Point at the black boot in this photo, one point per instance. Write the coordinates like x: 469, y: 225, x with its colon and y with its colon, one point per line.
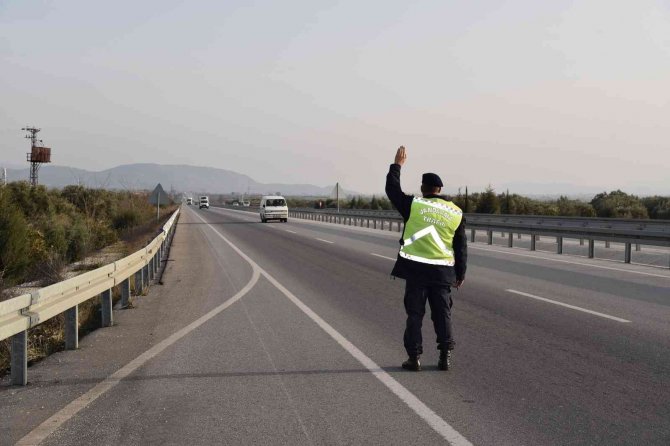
x: 445, y: 360
x: 412, y: 364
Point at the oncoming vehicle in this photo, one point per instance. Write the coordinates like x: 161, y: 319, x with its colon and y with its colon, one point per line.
x: 189, y: 201
x: 273, y: 207
x: 204, y: 202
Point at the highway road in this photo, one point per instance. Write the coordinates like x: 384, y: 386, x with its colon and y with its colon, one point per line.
x: 291, y: 333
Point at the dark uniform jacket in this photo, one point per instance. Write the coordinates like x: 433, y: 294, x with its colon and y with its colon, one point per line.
x: 422, y: 272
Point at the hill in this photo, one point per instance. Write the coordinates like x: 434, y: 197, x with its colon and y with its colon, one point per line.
x: 180, y: 177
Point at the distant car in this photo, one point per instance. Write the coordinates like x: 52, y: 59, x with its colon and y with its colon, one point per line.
x: 189, y: 201
x: 246, y: 203
x: 273, y: 207
x: 236, y: 204
x: 204, y: 202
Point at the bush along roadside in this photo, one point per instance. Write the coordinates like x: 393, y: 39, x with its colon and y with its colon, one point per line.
x: 42, y: 232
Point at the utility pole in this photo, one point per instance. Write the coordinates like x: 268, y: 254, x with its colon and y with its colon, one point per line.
x: 508, y: 208
x: 466, y: 199
x: 4, y: 176
x: 337, y: 195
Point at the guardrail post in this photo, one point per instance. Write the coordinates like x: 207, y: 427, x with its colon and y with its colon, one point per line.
x: 627, y: 255
x: 391, y: 225
x: 581, y: 242
x: 107, y: 317
x: 637, y: 247
x: 71, y: 328
x: 19, y: 361
x: 138, y: 282
x: 400, y: 226
x: 489, y: 237
x: 559, y: 245
x: 510, y: 240
x: 145, y: 276
x: 374, y: 223
x: 472, y: 235
x: 518, y: 236
x: 125, y: 293
x: 533, y: 238
x: 157, y: 264
x: 592, y: 248
x: 607, y: 244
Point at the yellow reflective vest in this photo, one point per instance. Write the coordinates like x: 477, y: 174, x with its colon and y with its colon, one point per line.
x: 429, y: 233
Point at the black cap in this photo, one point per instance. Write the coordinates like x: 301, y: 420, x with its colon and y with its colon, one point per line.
x: 431, y: 179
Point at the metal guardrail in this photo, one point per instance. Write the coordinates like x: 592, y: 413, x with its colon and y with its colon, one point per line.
x: 19, y: 314
x: 627, y: 231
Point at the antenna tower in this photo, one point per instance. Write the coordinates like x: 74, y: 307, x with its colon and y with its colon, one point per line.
x: 38, y: 154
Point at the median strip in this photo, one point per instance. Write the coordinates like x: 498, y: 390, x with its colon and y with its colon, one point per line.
x: 573, y: 307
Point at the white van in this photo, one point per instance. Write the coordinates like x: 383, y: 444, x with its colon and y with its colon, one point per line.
x: 204, y: 202
x: 273, y: 207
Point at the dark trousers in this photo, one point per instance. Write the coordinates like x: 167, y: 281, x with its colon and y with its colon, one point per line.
x: 439, y: 299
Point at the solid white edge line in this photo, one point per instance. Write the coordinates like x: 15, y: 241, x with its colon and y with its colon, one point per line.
x: 440, y: 426
x: 520, y: 254
x: 383, y: 257
x: 41, y: 432
x: 325, y: 241
x: 573, y: 307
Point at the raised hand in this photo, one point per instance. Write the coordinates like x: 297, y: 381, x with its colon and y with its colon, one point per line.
x: 400, y: 156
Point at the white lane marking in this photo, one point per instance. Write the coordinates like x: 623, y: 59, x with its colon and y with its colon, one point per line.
x: 419, y: 407
x: 42, y: 431
x: 288, y: 230
x: 473, y: 246
x: 544, y: 299
x: 510, y: 252
x: 383, y: 257
x: 325, y: 241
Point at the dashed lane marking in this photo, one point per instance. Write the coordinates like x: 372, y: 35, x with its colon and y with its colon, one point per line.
x: 325, y: 241
x: 519, y: 254
x: 573, y: 307
x: 383, y: 257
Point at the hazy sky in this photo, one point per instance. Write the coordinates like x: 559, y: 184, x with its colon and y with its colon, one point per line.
x: 500, y: 92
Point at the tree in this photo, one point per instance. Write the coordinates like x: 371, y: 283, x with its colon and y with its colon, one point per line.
x: 488, y: 202
x: 574, y: 208
x: 657, y: 207
x: 618, y: 204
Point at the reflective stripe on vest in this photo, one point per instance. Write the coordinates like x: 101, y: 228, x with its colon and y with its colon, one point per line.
x: 432, y: 224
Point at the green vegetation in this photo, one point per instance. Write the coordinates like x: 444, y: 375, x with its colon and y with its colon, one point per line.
x: 42, y: 230
x: 615, y: 204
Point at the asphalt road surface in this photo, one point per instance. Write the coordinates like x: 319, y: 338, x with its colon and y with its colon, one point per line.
x: 291, y: 333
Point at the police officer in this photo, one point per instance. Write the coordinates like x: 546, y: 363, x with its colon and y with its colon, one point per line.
x: 432, y: 259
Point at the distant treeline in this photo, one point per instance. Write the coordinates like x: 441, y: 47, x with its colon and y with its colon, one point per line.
x: 615, y: 204
x: 42, y: 230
